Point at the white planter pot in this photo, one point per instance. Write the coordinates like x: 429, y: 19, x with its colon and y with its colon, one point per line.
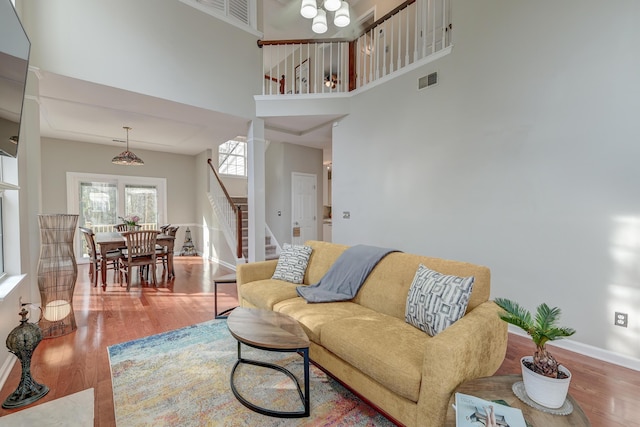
x: 549, y: 392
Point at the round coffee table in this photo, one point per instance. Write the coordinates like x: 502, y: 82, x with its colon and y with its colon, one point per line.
x: 271, y: 331
x: 499, y: 388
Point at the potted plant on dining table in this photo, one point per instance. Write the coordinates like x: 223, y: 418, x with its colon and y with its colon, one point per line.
x: 131, y: 221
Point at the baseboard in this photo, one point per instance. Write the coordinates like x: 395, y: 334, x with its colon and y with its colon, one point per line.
x: 588, y: 350
x: 5, y: 370
x: 223, y: 263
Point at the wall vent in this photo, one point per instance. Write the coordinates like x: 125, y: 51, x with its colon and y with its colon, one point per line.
x: 428, y: 80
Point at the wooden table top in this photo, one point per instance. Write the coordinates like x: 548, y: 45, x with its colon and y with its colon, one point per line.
x: 499, y: 387
x: 117, y: 237
x: 266, y: 329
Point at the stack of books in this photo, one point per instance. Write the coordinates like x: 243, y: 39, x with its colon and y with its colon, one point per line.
x: 472, y: 411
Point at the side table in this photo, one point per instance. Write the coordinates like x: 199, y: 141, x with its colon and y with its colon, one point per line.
x: 499, y: 388
x: 229, y: 278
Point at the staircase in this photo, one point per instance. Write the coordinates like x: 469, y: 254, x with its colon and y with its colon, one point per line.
x: 269, y: 248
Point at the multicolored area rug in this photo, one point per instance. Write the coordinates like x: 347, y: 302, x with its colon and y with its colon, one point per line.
x: 181, y: 378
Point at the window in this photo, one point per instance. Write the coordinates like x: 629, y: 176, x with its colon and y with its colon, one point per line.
x: 232, y: 158
x: 100, y: 201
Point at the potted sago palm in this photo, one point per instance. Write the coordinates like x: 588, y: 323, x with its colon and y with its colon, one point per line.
x: 546, y: 382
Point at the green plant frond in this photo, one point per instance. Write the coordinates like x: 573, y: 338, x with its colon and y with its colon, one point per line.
x: 515, y: 313
x: 544, y: 328
x: 546, y: 318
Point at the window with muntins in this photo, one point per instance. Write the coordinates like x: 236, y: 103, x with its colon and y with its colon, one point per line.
x: 232, y: 158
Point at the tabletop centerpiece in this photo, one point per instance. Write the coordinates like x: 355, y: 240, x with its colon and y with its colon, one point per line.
x: 131, y: 221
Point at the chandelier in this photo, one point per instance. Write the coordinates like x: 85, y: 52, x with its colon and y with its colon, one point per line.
x: 310, y: 10
x: 127, y: 158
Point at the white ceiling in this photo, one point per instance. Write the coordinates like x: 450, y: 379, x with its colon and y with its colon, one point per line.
x: 77, y: 110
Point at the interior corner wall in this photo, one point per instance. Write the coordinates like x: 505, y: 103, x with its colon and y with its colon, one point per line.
x: 523, y: 158
x: 161, y: 48
x: 60, y: 157
x: 281, y: 160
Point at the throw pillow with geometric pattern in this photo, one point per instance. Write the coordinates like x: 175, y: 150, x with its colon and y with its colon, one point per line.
x: 292, y: 263
x: 436, y: 301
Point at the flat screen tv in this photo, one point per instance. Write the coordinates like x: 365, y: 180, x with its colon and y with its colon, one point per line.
x: 14, y: 65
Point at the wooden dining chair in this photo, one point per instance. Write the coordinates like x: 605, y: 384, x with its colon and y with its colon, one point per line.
x: 140, y: 252
x: 121, y: 228
x: 95, y: 258
x: 162, y: 256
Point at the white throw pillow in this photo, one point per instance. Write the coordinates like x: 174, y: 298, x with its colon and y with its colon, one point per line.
x: 292, y: 263
x: 436, y: 301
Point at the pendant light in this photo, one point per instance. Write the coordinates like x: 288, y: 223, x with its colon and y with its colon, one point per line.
x: 332, y: 5
x: 341, y: 18
x: 309, y: 9
x: 319, y: 24
x: 127, y: 158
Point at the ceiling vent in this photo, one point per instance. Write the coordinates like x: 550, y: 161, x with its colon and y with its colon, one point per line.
x: 428, y: 80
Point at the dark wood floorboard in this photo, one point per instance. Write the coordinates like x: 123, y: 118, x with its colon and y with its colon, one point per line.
x: 77, y: 361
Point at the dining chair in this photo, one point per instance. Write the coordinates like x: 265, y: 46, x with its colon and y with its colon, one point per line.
x: 124, y: 227
x: 141, y: 252
x: 162, y: 255
x: 95, y: 258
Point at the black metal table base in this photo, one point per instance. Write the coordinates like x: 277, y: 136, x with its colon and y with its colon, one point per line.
x: 304, y: 397
x: 223, y: 314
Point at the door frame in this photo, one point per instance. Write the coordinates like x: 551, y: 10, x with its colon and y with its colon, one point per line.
x: 315, y: 201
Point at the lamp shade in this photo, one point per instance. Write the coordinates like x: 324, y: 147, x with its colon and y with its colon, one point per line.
x: 341, y: 18
x: 309, y: 9
x: 332, y: 5
x: 127, y: 158
x: 319, y: 25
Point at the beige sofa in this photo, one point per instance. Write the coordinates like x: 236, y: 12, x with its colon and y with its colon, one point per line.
x: 366, y: 344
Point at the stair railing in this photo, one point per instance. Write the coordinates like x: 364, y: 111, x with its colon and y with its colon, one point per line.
x: 412, y: 31
x: 227, y: 211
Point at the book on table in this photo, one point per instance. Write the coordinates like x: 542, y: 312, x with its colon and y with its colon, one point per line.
x: 473, y: 411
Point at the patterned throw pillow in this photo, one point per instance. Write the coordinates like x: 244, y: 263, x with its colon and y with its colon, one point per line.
x: 292, y: 263
x: 436, y: 301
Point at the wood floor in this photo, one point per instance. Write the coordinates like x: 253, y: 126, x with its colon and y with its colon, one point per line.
x: 77, y: 361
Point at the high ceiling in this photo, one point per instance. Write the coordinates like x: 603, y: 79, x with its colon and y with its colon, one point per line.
x: 77, y: 110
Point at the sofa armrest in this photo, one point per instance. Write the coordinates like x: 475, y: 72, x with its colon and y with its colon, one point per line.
x: 473, y: 347
x: 250, y: 272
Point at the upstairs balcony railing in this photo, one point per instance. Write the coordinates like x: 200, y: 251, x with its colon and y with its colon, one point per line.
x: 409, y: 33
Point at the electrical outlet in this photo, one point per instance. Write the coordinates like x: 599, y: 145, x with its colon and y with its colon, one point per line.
x: 621, y: 319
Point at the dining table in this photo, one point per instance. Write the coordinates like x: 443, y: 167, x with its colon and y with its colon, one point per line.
x: 114, y: 240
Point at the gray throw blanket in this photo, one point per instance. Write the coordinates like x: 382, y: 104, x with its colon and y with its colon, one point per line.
x: 345, y: 277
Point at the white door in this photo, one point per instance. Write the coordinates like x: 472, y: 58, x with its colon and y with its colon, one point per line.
x: 304, y: 223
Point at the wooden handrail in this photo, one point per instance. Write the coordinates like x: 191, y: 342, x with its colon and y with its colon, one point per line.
x: 237, y: 211
x: 299, y: 41
x: 386, y: 16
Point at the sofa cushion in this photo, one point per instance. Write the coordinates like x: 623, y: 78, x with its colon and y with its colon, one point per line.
x: 436, y: 300
x: 313, y: 317
x: 292, y: 263
x: 266, y: 293
x: 383, y: 347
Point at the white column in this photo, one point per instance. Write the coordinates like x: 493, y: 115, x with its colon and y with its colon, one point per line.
x: 256, y: 171
x: 30, y: 182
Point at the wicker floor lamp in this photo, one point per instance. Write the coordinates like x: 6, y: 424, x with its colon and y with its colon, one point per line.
x: 57, y: 273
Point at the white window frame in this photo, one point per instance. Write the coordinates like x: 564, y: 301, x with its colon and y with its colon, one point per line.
x: 73, y: 192
x: 12, y: 275
x: 245, y: 156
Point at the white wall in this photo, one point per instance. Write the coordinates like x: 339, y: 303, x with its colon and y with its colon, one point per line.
x: 523, y: 158
x: 161, y: 48
x: 282, y: 159
x: 60, y: 157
